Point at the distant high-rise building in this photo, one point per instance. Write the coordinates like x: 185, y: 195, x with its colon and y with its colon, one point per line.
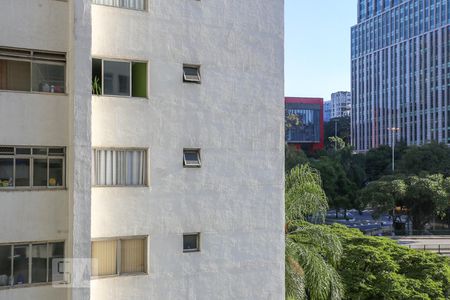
x: 327, y: 111
x: 341, y: 104
x: 400, y: 72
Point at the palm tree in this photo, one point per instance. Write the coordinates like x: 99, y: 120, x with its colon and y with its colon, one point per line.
x: 312, y: 251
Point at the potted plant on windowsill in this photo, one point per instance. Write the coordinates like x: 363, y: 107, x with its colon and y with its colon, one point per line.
x: 96, y: 86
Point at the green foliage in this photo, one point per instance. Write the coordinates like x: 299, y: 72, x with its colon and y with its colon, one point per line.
x: 96, y: 86
x: 336, y: 172
x: 304, y: 194
x: 424, y: 197
x: 338, y: 142
x: 378, y: 162
x: 292, y: 120
x: 383, y: 195
x: 312, y: 251
x: 379, y: 268
x: 431, y: 158
x: 294, y: 157
x: 343, y: 131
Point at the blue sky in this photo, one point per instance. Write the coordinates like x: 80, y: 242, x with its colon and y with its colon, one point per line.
x: 317, y: 46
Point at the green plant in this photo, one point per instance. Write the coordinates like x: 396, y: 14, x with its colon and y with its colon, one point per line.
x: 96, y: 86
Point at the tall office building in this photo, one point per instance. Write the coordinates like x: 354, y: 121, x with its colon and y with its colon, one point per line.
x: 148, y: 136
x: 341, y: 104
x: 400, y: 72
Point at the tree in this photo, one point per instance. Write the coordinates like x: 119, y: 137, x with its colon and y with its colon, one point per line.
x: 423, y: 197
x: 431, y: 158
x: 379, y: 268
x: 378, y: 162
x: 383, y: 195
x: 426, y: 197
x: 343, y: 130
x: 294, y: 157
x: 312, y: 251
x: 338, y: 188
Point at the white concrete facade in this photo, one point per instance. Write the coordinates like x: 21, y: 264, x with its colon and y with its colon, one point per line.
x: 341, y: 104
x: 235, y: 116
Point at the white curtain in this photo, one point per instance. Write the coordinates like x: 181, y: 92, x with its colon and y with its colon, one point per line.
x: 120, y: 167
x: 133, y: 4
x: 105, y: 2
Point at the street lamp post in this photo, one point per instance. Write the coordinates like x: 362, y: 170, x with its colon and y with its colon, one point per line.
x: 335, y: 134
x: 392, y: 130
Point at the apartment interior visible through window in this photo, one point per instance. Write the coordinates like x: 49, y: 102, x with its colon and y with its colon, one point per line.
x: 32, y: 71
x: 119, y: 78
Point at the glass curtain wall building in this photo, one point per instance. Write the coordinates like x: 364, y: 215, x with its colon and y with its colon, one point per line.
x: 400, y: 72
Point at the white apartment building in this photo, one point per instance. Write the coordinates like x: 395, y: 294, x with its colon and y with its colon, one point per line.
x: 341, y: 104
x: 149, y: 136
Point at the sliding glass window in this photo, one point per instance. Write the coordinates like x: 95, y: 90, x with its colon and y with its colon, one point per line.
x: 119, y: 78
x: 31, y: 70
x: 32, y: 167
x: 28, y: 263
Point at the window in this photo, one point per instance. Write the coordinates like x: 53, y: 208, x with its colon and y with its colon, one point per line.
x: 32, y: 167
x: 130, y: 4
x: 26, y: 263
x: 191, y: 242
x: 120, y: 167
x: 191, y: 73
x: 119, y: 256
x: 119, y: 78
x: 30, y: 70
x: 191, y: 158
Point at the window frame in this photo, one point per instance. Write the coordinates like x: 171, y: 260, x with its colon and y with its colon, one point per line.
x: 31, y: 157
x: 199, y: 76
x: 199, y: 156
x: 146, y: 168
x: 32, y: 56
x: 119, y: 240
x: 197, y: 235
x: 30, y: 263
x: 128, y: 8
x: 130, y: 83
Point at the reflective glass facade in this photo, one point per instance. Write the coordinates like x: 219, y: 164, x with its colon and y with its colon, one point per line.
x: 308, y: 130
x: 400, y: 72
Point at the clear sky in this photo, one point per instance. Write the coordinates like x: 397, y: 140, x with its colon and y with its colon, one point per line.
x: 317, y: 46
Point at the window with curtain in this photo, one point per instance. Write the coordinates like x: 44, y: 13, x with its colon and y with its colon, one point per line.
x: 120, y: 167
x: 119, y: 256
x: 133, y: 256
x: 104, y: 258
x: 32, y: 70
x: 130, y: 4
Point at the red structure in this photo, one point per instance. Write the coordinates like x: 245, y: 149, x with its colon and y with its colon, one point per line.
x: 309, y: 134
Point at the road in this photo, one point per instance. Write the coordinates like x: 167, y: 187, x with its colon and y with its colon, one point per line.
x: 438, y: 244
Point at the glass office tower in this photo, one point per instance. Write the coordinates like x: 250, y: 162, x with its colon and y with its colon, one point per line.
x: 400, y: 72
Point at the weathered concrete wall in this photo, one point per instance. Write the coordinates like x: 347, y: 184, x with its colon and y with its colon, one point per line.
x: 34, y: 293
x: 235, y: 116
x: 34, y: 119
x: 80, y: 148
x: 35, y: 24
